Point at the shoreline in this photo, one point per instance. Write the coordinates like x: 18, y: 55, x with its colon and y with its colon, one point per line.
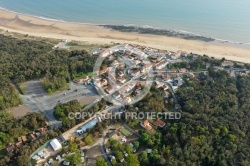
x: 99, y: 34
x: 142, y: 29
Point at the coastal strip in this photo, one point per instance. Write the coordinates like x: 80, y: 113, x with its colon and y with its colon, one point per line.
x: 161, y: 39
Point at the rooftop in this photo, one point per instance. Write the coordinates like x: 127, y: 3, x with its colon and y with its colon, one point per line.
x: 159, y: 123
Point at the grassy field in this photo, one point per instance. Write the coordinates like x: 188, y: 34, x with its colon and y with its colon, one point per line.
x: 82, y: 75
x: 125, y: 132
x: 78, y: 45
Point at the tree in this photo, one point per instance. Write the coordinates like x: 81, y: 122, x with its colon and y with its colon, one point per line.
x: 74, y: 158
x: 136, y: 144
x: 128, y: 149
x: 155, y: 156
x: 73, y: 147
x: 3, y: 139
x: 23, y: 160
x: 143, y: 158
x: 119, y: 155
x: 101, y: 162
x: 133, y: 160
x: 88, y: 140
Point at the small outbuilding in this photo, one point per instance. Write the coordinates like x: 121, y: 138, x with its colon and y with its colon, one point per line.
x: 56, y: 145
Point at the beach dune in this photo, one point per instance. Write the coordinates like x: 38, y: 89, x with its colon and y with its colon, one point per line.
x: 99, y: 35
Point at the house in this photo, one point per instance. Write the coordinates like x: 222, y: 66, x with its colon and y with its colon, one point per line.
x: 38, y: 134
x: 166, y: 77
x: 136, y: 62
x: 159, y: 58
x: 135, y: 72
x: 174, y: 56
x: 182, y: 70
x: 128, y: 52
x: 32, y: 137
x: 161, y: 65
x: 158, y: 84
x: 17, y: 144
x: 85, y: 81
x: 101, y: 72
x: 132, y: 84
x: 159, y: 123
x: 117, y: 95
x: 243, y: 73
x: 43, y: 129
x: 141, y: 83
x: 125, y: 89
x: 122, y: 80
x: 105, y: 53
x: 178, y: 54
x: 127, y: 99
x: 109, y: 90
x: 24, y: 138
x: 103, y: 82
x: 148, y: 65
x: 120, y: 73
x: 227, y: 64
x: 145, y: 124
x: 116, y: 63
x: 10, y: 148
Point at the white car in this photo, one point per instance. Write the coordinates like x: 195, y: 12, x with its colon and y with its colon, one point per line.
x: 66, y: 163
x: 82, y: 153
x: 82, y: 159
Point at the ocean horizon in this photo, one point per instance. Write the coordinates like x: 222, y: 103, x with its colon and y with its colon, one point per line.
x: 226, y: 21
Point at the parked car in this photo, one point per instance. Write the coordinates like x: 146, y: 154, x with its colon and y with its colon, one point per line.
x: 66, y: 163
x: 82, y: 153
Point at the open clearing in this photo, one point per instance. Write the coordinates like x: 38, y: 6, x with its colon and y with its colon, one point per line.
x: 125, y: 132
x: 20, y: 111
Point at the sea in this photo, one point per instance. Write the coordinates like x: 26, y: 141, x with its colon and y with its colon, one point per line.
x: 224, y: 20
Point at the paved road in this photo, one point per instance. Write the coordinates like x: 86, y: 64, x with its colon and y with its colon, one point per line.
x: 72, y: 132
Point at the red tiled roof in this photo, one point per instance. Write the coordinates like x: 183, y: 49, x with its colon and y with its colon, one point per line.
x: 159, y: 123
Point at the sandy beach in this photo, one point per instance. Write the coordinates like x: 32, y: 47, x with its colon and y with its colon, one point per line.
x: 99, y: 35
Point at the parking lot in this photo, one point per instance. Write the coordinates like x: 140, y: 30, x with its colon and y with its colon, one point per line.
x: 34, y: 89
x: 36, y: 98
